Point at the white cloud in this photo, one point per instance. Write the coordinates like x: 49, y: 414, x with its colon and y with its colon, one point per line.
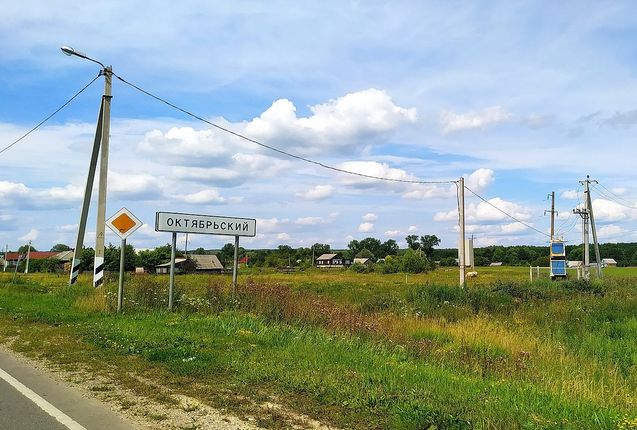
x: 412, y: 229
x: 480, y: 179
x: 269, y: 225
x: 136, y: 186
x: 569, y: 194
x: 366, y: 227
x: 394, y: 233
x: 310, y: 220
x: 486, y: 212
x: 31, y: 235
x: 607, y: 210
x: 618, y: 190
x: 611, y: 230
x: 207, y: 196
x: 346, y: 122
x: 283, y: 236
x: 67, y: 228
x: 17, y: 195
x: 370, y: 217
x: 452, y: 122
x: 372, y: 168
x: 319, y: 192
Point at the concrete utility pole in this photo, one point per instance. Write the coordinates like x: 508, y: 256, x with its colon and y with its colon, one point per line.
x: 26, y: 268
x: 98, y: 274
x: 553, y: 213
x: 593, y: 229
x: 585, y: 214
x: 4, y: 264
x: 460, y: 185
x: 103, y: 129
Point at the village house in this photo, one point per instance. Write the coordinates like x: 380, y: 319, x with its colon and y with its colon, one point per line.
x: 327, y: 261
x: 203, y: 264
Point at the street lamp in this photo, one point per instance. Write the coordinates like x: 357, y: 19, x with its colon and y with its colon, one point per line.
x: 101, y: 139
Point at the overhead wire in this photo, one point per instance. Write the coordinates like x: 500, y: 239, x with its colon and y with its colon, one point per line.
x: 50, y: 116
x: 613, y: 199
x: 273, y: 148
x: 614, y: 194
x: 506, y: 213
x: 307, y: 160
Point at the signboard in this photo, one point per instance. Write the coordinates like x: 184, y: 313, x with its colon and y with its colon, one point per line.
x: 205, y: 224
x: 123, y: 223
x: 558, y: 268
x: 557, y: 249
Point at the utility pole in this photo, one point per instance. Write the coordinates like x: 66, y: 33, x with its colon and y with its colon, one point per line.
x: 26, y: 268
x: 4, y: 263
x: 98, y: 273
x: 460, y: 185
x: 589, y: 205
x: 584, y: 214
x: 102, y: 133
x: 553, y: 213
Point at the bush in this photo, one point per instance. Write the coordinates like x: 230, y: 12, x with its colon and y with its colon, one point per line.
x: 413, y: 262
x: 359, y: 268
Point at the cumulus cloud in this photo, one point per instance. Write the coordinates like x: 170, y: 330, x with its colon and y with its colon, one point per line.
x: 207, y: 196
x: 480, y: 179
x: 31, y: 235
x: 134, y: 186
x: 485, y: 212
x: 370, y: 217
x: 366, y: 227
x: 607, y: 210
x: 451, y: 122
x: 310, y: 220
x: 345, y: 122
x: 569, y: 194
x: 319, y: 192
x: 20, y: 196
x: 610, y: 231
x: 412, y: 229
x: 393, y: 233
x: 283, y: 236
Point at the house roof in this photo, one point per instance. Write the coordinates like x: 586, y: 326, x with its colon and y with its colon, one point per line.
x: 496, y: 263
x: 177, y: 261
x: 361, y: 260
x: 609, y: 260
x: 33, y: 255
x: 206, y: 262
x: 326, y: 256
x: 65, y: 255
x: 573, y: 263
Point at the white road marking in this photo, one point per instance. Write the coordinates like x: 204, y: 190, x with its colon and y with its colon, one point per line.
x: 42, y: 404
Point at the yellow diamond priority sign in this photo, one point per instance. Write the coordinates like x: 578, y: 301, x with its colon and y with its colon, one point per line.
x: 123, y: 223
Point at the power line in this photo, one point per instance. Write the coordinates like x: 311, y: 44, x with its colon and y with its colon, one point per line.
x: 50, y: 116
x: 616, y: 195
x: 506, y: 213
x: 272, y: 148
x: 613, y: 199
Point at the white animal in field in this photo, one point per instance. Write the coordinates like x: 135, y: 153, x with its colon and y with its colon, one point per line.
x: 472, y: 275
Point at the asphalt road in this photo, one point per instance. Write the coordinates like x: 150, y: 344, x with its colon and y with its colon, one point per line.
x: 31, y: 399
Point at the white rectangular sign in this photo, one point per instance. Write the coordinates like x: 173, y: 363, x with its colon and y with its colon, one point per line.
x: 205, y: 224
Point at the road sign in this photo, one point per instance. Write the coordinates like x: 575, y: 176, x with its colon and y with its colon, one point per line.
x: 205, y: 224
x: 123, y: 223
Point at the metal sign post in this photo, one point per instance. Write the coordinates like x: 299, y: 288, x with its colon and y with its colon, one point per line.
x: 123, y: 223
x: 176, y: 222
x: 235, y: 266
x: 171, y: 286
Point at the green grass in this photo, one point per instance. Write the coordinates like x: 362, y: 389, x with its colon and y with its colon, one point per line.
x: 362, y: 351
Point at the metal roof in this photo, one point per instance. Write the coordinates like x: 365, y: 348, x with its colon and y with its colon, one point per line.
x: 326, y: 256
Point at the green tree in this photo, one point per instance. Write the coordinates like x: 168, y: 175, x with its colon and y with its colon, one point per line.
x: 412, y: 241
x: 365, y: 253
x: 427, y: 243
x: 59, y: 247
x: 414, y: 262
x: 87, y: 257
x: 23, y: 249
x: 389, y: 247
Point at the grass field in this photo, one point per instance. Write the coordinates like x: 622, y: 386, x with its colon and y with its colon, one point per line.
x: 357, y: 350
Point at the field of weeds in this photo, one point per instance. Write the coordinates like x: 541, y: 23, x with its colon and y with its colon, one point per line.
x: 365, y: 350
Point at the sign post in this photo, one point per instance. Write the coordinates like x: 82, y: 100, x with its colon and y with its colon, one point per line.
x: 123, y: 223
x: 175, y: 222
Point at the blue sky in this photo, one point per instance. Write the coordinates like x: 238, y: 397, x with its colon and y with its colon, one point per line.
x: 520, y: 98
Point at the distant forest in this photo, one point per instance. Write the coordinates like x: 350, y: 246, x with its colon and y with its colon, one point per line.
x: 624, y: 253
